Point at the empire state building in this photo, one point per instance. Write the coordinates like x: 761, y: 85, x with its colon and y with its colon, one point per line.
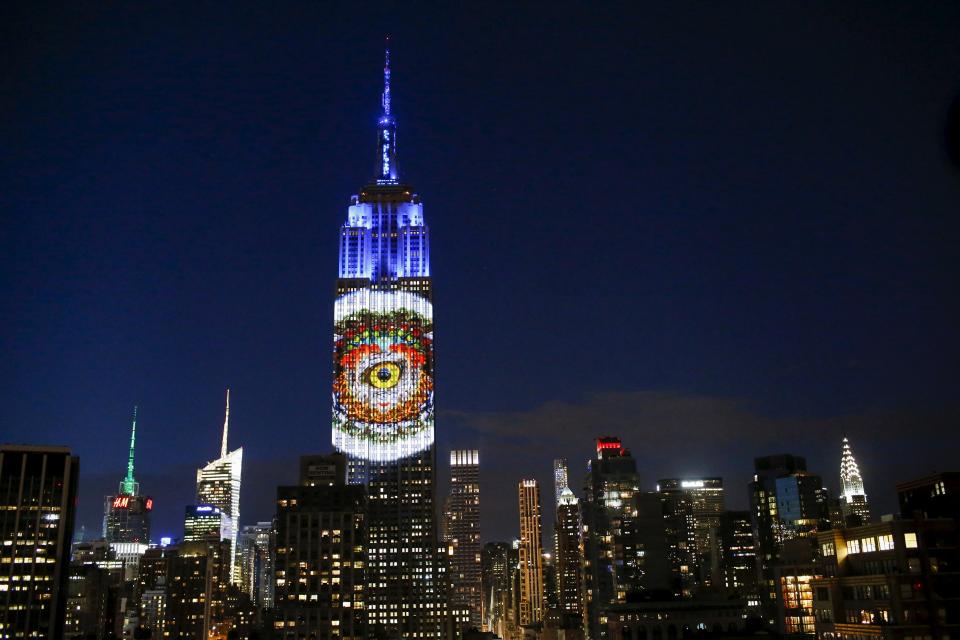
x: 383, y: 384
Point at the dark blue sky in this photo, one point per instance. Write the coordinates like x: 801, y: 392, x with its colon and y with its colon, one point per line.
x: 717, y: 230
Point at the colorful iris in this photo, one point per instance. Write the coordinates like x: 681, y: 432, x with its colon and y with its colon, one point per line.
x: 384, y: 375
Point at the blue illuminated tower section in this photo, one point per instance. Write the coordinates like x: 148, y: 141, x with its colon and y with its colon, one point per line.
x: 383, y: 384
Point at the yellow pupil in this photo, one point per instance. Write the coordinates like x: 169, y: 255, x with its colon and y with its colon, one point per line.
x: 385, y: 375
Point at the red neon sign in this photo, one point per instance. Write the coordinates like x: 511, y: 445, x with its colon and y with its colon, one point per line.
x: 149, y: 504
x: 121, y: 502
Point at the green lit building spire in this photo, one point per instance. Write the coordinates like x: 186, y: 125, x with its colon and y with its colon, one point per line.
x: 130, y: 486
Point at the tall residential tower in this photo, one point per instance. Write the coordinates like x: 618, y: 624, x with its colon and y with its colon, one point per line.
x: 463, y: 536
x: 531, y: 554
x: 569, y: 562
x: 383, y: 415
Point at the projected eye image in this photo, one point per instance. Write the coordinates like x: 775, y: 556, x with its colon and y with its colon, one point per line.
x: 383, y: 374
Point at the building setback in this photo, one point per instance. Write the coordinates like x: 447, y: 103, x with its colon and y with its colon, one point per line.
x: 38, y: 496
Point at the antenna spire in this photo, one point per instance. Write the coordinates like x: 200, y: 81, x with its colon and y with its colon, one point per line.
x: 226, y: 428
x: 385, y: 99
x: 386, y: 173
x: 129, y: 484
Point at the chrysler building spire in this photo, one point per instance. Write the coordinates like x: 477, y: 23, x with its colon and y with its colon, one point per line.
x: 853, y: 496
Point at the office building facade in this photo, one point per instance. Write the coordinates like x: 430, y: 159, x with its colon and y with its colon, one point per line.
x: 613, y: 554
x: 787, y: 503
x: 255, y: 547
x: 891, y: 580
x: 38, y: 497
x: 735, y: 566
x: 463, y: 537
x: 320, y: 585
x: 498, y: 562
x: 569, y: 560
x: 933, y: 496
x: 691, y: 510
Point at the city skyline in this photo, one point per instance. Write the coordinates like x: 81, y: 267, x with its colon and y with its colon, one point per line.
x: 821, y: 343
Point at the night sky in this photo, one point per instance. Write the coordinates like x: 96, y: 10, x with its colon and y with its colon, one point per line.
x: 718, y: 230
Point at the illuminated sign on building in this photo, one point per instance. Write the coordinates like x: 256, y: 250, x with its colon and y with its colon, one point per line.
x: 383, y: 374
x: 126, y: 502
x: 692, y: 484
x: 609, y: 444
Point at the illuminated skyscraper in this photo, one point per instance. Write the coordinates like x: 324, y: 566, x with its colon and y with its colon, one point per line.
x: 203, y: 521
x: 612, y: 544
x: 218, y: 484
x: 127, y: 515
x: 569, y: 553
x: 787, y: 502
x: 463, y: 535
x: 383, y: 411
x: 196, y: 577
x: 734, y: 557
x: 531, y: 553
x: 561, y: 478
x: 561, y: 481
x: 853, y: 497
x: 320, y: 558
x: 256, y: 544
x: 38, y: 501
x: 496, y: 568
x: 691, y: 511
